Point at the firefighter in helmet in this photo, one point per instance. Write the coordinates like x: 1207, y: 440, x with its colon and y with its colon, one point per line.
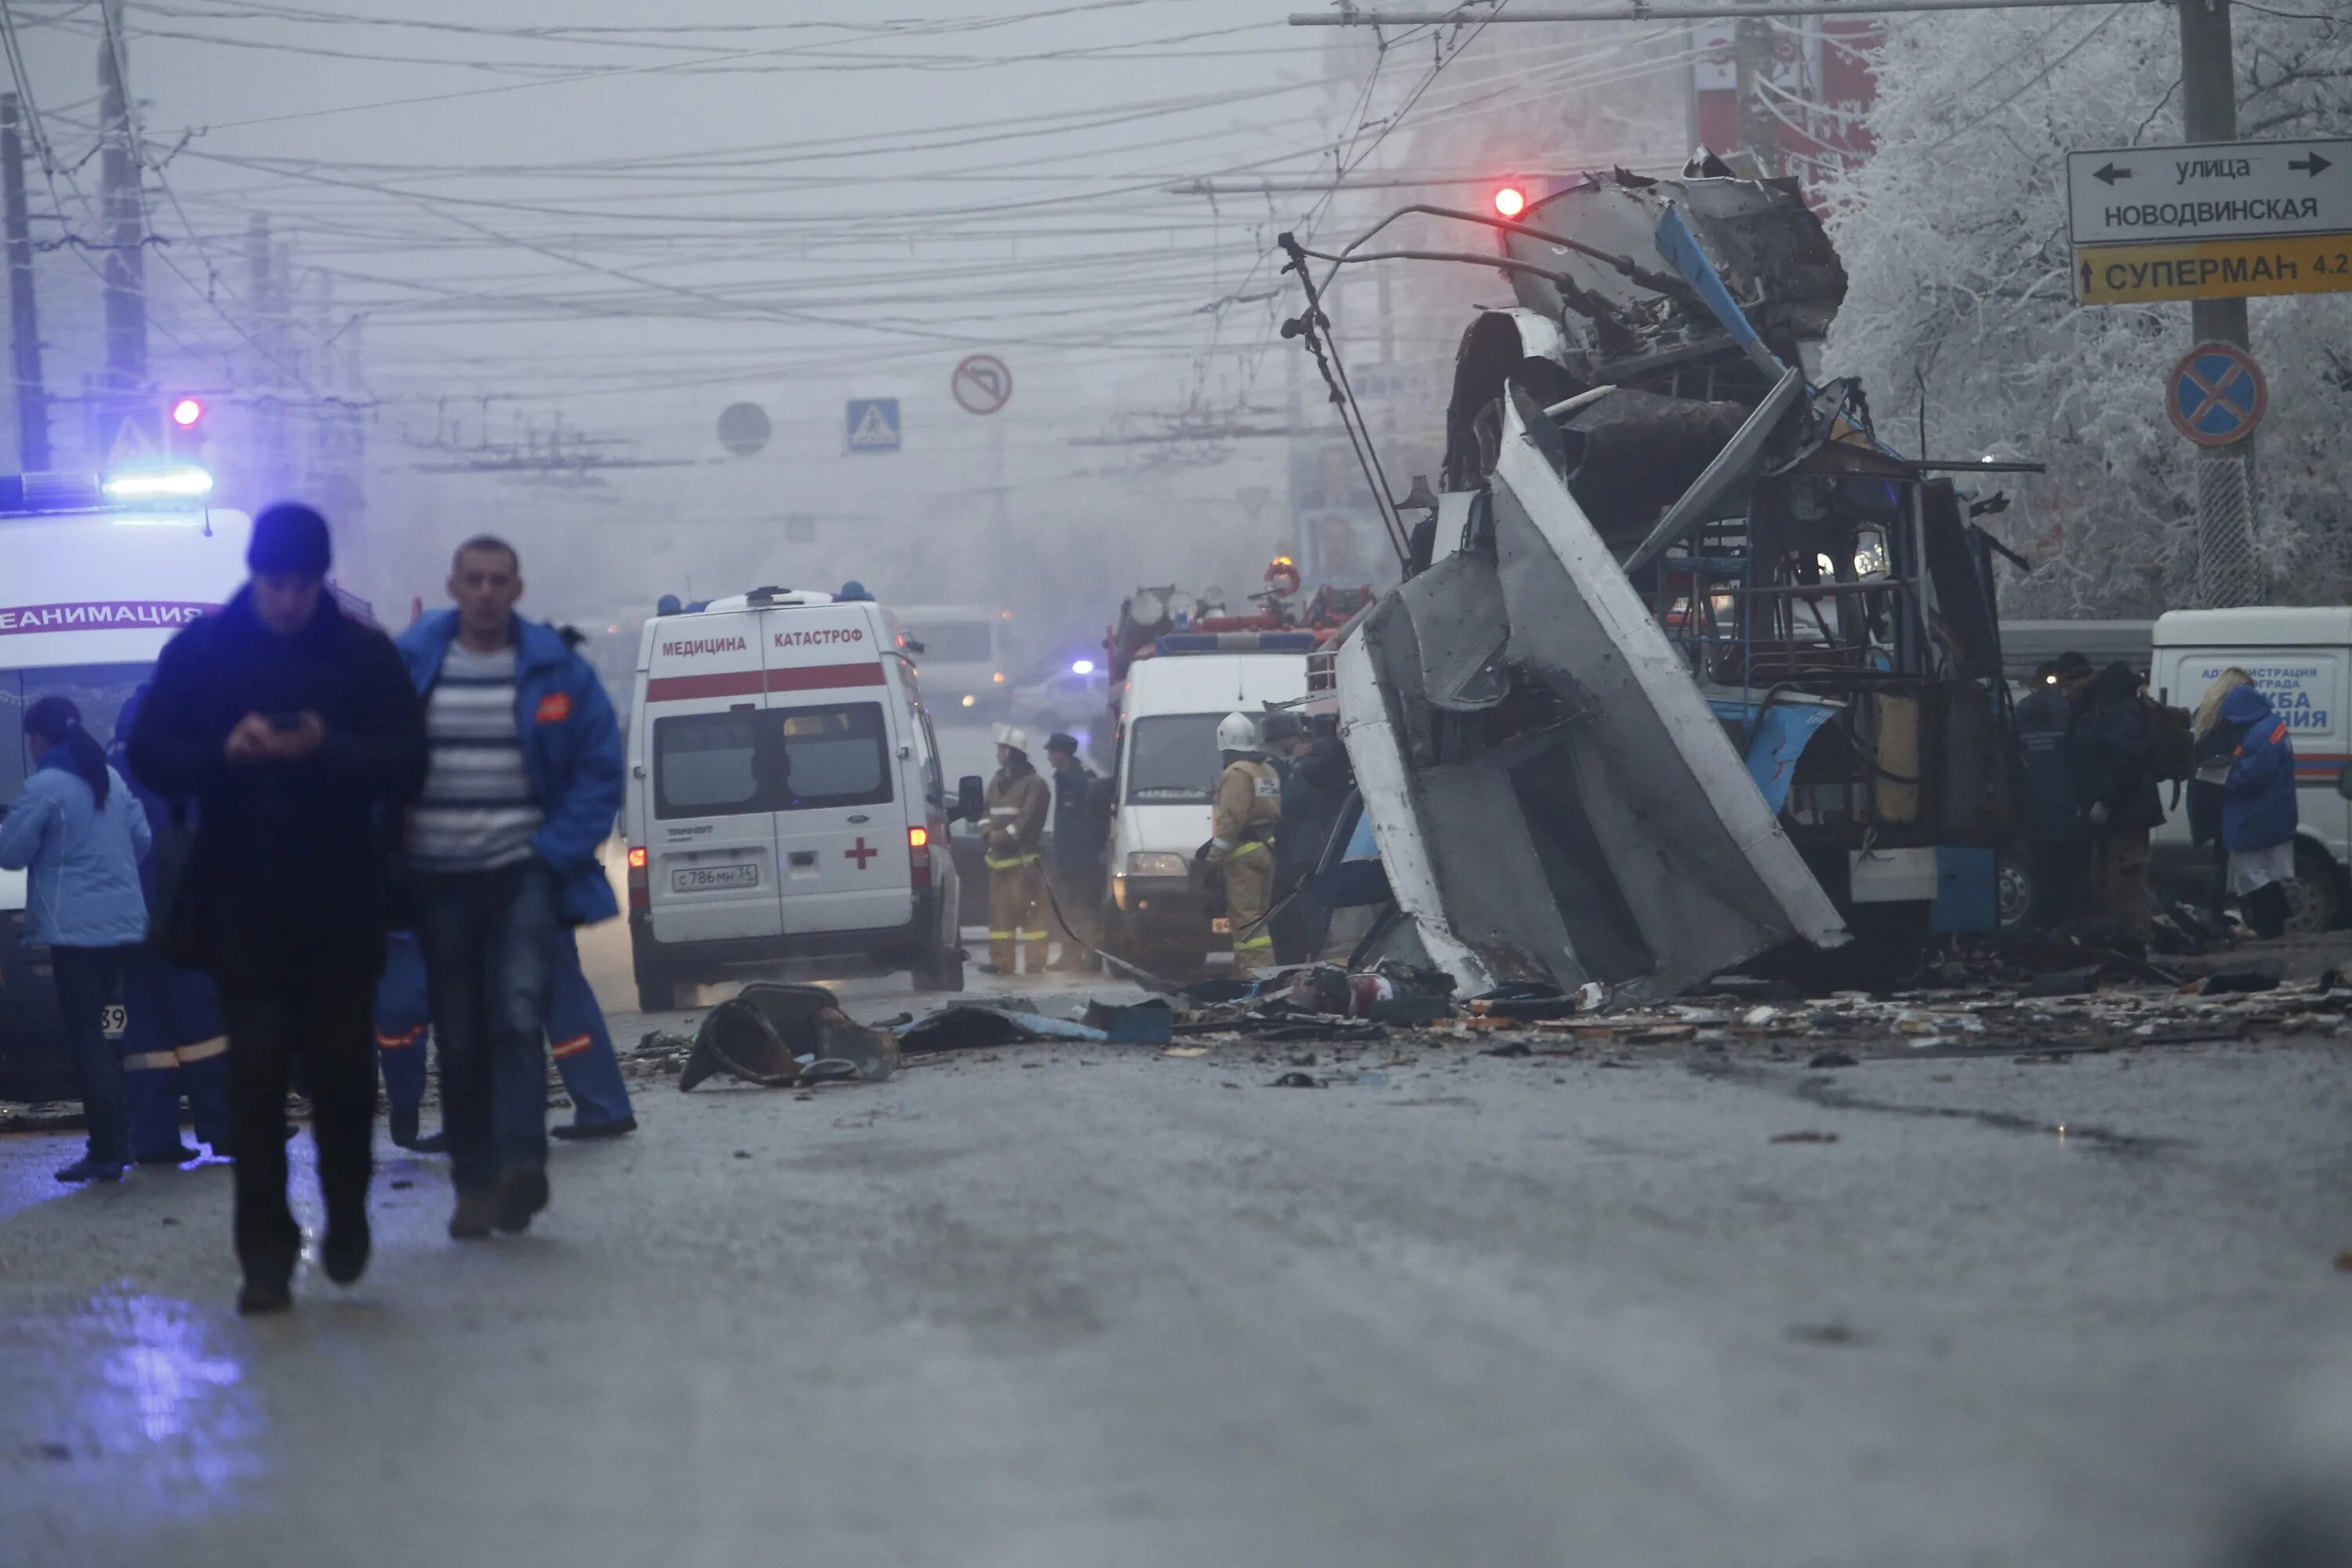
x: 1248, y: 808
x: 1018, y: 804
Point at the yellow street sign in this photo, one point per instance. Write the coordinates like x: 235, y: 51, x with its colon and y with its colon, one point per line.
x: 2213, y: 269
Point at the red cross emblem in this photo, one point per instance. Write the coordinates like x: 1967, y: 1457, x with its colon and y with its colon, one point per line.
x: 862, y: 854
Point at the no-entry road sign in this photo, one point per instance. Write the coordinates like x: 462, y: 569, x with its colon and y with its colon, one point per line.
x: 982, y: 383
x: 2216, y: 395
x: 2210, y: 190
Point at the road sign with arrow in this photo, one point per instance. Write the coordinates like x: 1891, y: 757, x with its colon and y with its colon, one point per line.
x: 2213, y: 189
x: 2213, y: 220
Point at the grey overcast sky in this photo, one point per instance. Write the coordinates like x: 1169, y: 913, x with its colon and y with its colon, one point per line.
x: 623, y: 217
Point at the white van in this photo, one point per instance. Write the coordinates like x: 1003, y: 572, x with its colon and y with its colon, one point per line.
x: 2300, y: 658
x: 1164, y: 778
x: 89, y: 596
x: 960, y: 651
x: 784, y: 796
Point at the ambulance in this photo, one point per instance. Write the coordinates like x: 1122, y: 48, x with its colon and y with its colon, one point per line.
x: 784, y: 797
x: 2301, y: 659
x: 94, y: 580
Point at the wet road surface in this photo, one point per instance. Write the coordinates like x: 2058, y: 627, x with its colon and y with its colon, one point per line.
x: 1086, y: 1306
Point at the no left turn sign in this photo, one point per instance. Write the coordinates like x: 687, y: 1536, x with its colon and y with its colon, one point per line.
x: 982, y: 383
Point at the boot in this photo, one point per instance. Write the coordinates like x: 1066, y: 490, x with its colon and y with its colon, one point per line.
x: 471, y: 1221
x: 573, y: 1131
x: 89, y: 1169
x: 522, y: 1193
x: 400, y: 1123
x: 256, y: 1297
x: 345, y: 1253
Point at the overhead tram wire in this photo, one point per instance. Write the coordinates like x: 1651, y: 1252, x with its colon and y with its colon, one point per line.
x: 714, y: 298
x: 819, y: 57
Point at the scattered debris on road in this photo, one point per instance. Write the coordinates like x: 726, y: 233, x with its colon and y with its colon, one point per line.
x: 783, y: 1036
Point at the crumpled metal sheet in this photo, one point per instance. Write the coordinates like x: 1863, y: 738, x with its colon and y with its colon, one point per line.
x: 1617, y: 835
x: 1632, y: 454
x: 1768, y: 245
x: 778, y: 1034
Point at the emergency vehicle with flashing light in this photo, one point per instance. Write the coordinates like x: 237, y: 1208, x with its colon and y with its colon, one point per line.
x: 95, y: 575
x: 784, y: 798
x: 1163, y: 780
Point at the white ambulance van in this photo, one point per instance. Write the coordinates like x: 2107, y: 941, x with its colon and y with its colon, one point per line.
x: 1164, y: 779
x: 784, y: 797
x: 2301, y: 659
x: 91, y: 590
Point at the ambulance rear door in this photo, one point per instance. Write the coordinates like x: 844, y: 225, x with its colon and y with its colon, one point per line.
x: 712, y: 872
x: 836, y: 742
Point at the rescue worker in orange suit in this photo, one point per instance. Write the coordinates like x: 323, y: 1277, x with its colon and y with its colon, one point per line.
x: 1018, y: 803
x: 1248, y: 810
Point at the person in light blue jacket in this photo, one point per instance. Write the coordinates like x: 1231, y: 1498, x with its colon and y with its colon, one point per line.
x: 82, y: 833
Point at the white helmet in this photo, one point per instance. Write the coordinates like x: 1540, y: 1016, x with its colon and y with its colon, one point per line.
x: 1236, y: 733
x: 1013, y: 735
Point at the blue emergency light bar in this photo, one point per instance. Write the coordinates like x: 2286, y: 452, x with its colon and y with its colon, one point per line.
x: 1237, y: 642
x: 50, y: 492
x: 183, y: 482
x: 161, y: 485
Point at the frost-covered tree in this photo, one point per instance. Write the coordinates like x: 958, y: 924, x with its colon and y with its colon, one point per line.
x: 1961, y: 305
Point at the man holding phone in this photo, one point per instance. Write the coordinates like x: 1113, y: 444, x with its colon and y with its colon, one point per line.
x: 290, y: 726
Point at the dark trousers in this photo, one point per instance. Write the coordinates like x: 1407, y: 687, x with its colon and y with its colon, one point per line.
x: 2267, y: 909
x: 1075, y: 889
x: 90, y: 993
x: 2059, y: 871
x: 323, y: 1023
x: 490, y: 941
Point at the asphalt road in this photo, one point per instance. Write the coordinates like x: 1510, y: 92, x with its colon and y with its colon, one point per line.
x: 1089, y: 1307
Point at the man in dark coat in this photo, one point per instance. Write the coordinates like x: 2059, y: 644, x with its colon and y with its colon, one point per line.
x: 2050, y: 821
x: 2120, y: 798
x: 1074, y: 859
x: 290, y: 726
x: 1315, y: 781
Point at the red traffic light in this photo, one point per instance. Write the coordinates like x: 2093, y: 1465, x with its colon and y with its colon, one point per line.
x: 187, y: 412
x: 1510, y: 201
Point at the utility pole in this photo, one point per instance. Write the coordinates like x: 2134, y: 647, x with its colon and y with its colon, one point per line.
x: 1000, y: 548
x: 1759, y: 129
x: 2226, y: 573
x: 24, y: 325
x: 263, y: 305
x: 127, y: 396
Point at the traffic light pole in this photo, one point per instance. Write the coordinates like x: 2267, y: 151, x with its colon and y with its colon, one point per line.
x: 126, y: 225
x: 24, y: 323
x: 2227, y: 571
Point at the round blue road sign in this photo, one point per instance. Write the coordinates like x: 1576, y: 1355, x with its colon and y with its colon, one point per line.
x: 2216, y: 395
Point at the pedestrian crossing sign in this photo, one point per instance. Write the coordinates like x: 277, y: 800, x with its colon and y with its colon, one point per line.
x: 873, y: 423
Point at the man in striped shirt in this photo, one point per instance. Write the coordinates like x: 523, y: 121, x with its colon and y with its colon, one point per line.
x: 501, y: 848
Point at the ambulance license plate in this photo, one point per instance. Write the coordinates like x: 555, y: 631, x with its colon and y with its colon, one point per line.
x: 709, y: 879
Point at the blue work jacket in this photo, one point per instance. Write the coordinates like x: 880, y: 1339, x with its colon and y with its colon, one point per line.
x: 571, y: 749
x: 82, y: 860
x: 2258, y: 805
